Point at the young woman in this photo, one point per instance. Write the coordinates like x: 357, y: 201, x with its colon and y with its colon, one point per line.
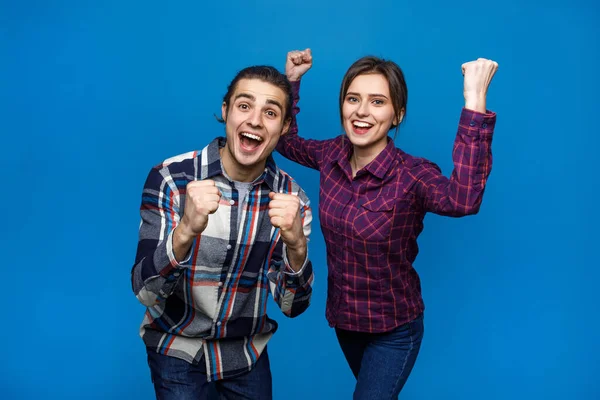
x: 373, y: 199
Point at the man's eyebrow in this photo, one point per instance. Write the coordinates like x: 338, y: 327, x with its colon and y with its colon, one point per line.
x: 252, y: 98
x: 275, y: 102
x: 246, y: 95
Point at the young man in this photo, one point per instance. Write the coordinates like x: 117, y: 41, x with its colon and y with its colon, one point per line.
x: 220, y: 227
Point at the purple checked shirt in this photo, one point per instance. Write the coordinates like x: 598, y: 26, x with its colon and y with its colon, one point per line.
x: 371, y: 222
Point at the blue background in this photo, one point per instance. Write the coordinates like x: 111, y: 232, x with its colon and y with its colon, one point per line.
x: 92, y: 94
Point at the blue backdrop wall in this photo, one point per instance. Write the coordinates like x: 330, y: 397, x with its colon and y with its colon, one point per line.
x: 92, y: 94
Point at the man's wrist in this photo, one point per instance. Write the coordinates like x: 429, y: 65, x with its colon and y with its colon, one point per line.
x: 182, y: 235
x: 298, y: 246
x: 296, y: 254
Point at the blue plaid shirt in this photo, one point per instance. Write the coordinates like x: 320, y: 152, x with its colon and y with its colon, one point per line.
x: 214, y: 303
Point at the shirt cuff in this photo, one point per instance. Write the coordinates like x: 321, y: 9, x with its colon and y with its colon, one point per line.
x: 475, y: 123
x: 288, y: 268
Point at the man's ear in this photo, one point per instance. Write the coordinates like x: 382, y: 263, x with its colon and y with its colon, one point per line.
x: 224, y: 111
x: 399, y: 118
x: 286, y: 126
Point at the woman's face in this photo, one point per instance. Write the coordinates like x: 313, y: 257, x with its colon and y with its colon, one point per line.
x: 368, y: 112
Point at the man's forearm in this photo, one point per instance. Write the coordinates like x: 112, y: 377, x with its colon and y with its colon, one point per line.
x: 182, y: 242
x: 297, y: 255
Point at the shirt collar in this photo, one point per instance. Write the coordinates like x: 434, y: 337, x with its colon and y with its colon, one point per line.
x: 380, y: 165
x: 384, y: 160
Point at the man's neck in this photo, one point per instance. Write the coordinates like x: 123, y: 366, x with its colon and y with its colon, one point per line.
x: 237, y: 172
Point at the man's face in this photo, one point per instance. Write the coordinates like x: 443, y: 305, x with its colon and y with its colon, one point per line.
x: 253, y: 124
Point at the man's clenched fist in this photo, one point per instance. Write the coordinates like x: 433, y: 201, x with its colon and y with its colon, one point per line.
x: 201, y: 200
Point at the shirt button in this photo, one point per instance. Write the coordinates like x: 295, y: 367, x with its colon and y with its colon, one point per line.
x: 232, y: 202
x: 472, y: 123
x: 484, y: 125
x: 228, y: 247
x: 220, y: 284
x: 175, y: 273
x: 219, y: 323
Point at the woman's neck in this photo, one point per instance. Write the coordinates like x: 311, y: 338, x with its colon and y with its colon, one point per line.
x: 360, y: 158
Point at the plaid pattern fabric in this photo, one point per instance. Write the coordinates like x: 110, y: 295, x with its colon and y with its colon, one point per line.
x: 371, y: 222
x: 214, y: 303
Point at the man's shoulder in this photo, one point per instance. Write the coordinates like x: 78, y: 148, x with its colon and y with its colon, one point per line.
x: 174, y: 171
x: 189, y: 161
x: 178, y: 159
x: 185, y: 163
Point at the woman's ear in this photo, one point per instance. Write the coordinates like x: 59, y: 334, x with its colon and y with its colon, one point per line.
x: 399, y: 118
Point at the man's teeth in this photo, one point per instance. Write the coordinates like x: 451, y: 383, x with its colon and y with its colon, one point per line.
x: 362, y: 125
x: 251, y: 136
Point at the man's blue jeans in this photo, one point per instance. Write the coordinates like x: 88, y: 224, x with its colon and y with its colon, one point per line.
x: 176, y: 379
x: 382, y: 362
